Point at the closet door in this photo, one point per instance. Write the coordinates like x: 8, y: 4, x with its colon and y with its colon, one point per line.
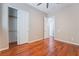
x: 22, y: 26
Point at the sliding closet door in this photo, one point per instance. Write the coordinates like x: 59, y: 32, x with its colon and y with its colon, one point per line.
x: 22, y: 26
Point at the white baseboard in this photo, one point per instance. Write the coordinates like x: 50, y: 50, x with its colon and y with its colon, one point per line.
x: 4, y: 48
x: 35, y: 40
x: 67, y: 42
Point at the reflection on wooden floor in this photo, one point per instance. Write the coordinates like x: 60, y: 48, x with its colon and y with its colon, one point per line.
x: 46, y: 47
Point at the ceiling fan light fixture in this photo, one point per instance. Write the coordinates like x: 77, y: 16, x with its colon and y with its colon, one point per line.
x: 47, y: 4
x: 39, y: 4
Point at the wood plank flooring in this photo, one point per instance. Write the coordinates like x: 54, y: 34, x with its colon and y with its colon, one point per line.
x: 46, y: 47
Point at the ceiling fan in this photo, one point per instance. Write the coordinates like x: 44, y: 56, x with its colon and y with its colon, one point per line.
x: 47, y: 4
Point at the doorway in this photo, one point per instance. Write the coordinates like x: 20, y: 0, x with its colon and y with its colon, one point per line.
x: 12, y: 16
x: 49, y: 27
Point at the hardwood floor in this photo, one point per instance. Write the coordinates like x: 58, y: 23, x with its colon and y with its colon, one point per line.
x: 46, y: 47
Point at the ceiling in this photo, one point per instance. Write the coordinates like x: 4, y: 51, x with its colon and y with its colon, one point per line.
x: 53, y: 7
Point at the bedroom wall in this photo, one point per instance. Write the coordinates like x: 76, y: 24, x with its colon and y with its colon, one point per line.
x: 3, y: 27
x: 67, y: 24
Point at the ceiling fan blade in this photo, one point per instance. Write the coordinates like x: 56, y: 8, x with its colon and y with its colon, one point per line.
x: 39, y: 4
x: 47, y: 5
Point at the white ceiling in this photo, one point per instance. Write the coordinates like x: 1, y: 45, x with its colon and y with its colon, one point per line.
x: 53, y: 7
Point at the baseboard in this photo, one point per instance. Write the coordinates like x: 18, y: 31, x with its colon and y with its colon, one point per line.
x: 67, y: 42
x: 35, y: 40
x: 4, y: 48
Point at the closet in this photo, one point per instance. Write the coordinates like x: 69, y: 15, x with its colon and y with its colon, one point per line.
x: 12, y: 16
x: 18, y: 21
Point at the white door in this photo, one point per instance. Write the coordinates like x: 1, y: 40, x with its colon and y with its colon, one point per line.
x: 22, y: 27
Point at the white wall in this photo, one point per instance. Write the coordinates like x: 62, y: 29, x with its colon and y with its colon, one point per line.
x: 3, y: 27
x: 67, y: 24
x: 36, y: 23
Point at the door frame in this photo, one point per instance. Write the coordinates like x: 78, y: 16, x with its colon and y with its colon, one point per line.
x: 46, y: 34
